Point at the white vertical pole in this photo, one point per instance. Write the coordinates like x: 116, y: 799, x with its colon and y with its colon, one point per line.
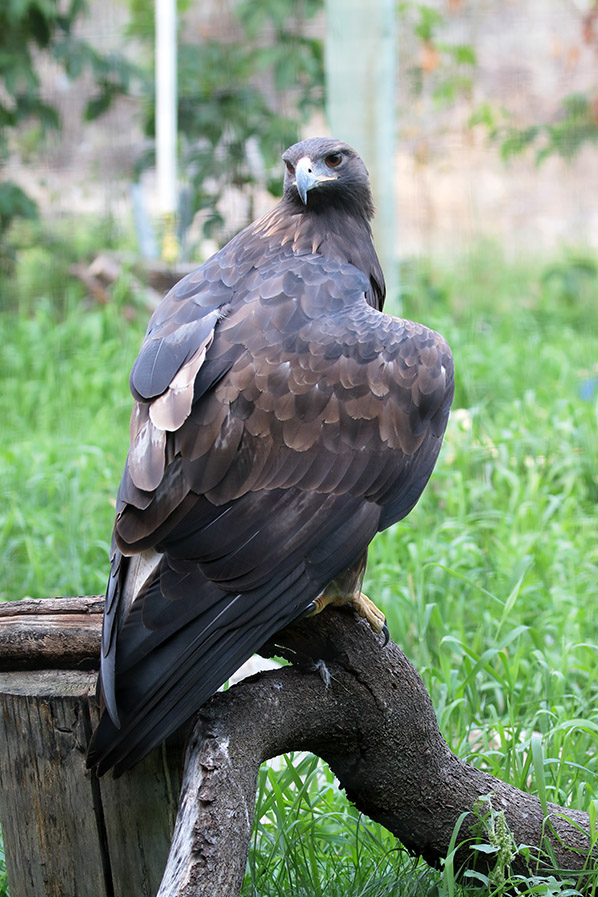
x: 360, y: 84
x: 166, y: 122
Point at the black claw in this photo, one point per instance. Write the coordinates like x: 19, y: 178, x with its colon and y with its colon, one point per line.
x: 386, y: 635
x: 310, y: 609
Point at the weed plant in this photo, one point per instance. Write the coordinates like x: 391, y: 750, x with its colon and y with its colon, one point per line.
x: 489, y: 586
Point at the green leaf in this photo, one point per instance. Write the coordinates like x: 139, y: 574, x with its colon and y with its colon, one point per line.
x: 485, y: 848
x: 14, y: 203
x: 429, y: 20
x: 460, y: 54
x: 39, y: 26
x: 538, y: 764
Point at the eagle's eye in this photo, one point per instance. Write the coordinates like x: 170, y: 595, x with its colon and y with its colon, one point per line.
x: 290, y: 168
x: 333, y: 160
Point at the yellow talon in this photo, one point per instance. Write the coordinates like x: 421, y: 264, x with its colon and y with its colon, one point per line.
x: 364, y: 606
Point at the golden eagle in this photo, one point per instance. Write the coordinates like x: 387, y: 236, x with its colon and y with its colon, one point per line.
x: 281, y: 420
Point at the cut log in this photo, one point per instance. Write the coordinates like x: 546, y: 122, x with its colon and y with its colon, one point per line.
x: 51, y: 633
x: 66, y: 833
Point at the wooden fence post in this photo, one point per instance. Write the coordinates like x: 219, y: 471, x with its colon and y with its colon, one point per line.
x: 66, y: 832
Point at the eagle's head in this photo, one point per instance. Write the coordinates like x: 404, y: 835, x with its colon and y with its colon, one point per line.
x: 323, y: 173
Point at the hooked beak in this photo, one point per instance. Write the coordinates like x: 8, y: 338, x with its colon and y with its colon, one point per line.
x: 307, y: 177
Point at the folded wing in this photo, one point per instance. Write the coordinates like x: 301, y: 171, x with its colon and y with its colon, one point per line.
x: 280, y: 422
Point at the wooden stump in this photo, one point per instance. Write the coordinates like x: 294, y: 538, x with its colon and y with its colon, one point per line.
x: 66, y: 832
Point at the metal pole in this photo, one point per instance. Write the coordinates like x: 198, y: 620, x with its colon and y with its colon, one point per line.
x: 360, y: 82
x: 166, y: 123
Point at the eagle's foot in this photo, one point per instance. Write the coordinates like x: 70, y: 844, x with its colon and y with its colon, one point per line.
x: 364, y: 606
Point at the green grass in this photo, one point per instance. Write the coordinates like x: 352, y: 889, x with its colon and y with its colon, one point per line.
x: 3, y: 881
x: 64, y: 407
x: 310, y: 842
x: 489, y: 586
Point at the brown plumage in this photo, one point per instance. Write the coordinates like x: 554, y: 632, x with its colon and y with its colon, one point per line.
x: 280, y: 421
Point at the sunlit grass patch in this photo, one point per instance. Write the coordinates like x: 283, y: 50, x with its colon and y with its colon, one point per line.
x: 65, y: 406
x: 309, y: 840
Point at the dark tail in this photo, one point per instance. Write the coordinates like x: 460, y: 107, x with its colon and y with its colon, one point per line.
x: 173, y: 653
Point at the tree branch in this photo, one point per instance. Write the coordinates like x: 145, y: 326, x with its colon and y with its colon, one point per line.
x: 360, y: 706
x: 368, y: 714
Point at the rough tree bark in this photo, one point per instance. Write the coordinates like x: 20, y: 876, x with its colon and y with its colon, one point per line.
x: 365, y: 711
x: 51, y: 633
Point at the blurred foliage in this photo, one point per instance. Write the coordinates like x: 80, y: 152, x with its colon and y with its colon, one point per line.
x: 29, y: 28
x: 242, y: 99
x: 43, y: 258
x: 445, y: 70
x: 574, y: 125
x: 14, y: 203
x: 574, y: 280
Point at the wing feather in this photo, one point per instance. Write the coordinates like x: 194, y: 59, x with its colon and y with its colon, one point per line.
x: 146, y: 462
x: 171, y: 409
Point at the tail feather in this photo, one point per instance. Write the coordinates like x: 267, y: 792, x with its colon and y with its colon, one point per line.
x: 160, y: 687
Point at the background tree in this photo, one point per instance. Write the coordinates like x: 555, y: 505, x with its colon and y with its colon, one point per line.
x: 242, y: 101
x: 28, y: 29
